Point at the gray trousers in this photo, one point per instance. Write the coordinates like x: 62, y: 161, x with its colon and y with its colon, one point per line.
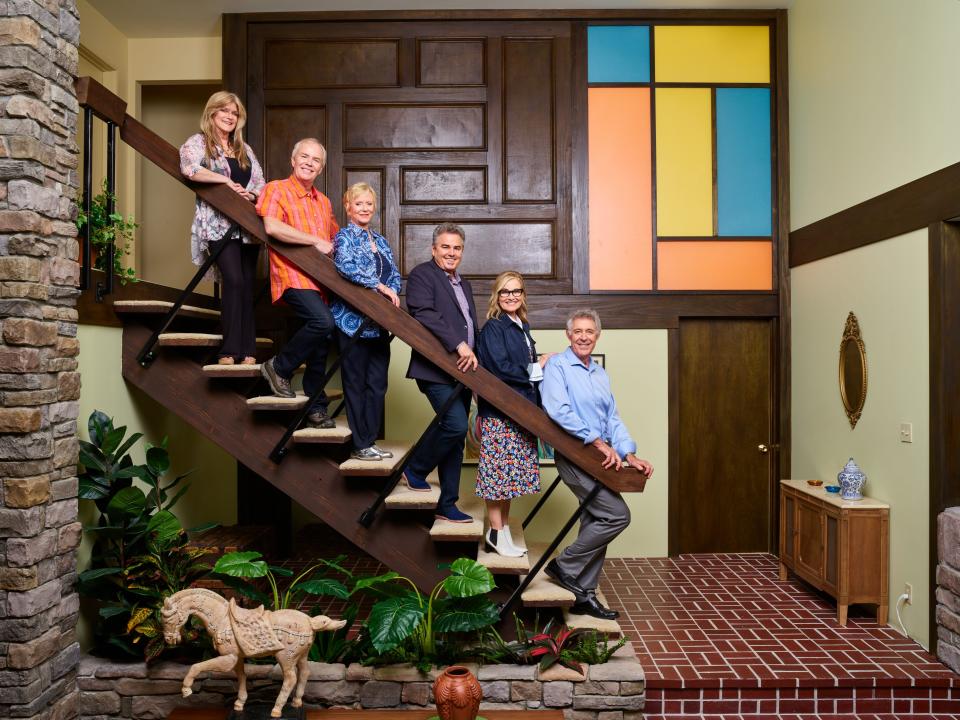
x: 602, y: 520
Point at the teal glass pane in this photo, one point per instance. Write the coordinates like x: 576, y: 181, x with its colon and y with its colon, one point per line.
x: 618, y: 54
x: 744, y: 204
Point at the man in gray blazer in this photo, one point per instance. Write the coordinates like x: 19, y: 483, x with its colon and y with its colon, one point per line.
x: 442, y: 301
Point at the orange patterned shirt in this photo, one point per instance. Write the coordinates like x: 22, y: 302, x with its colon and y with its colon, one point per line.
x: 307, y: 210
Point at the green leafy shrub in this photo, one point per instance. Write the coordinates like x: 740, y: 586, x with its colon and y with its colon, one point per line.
x: 140, y: 550
x: 106, y: 227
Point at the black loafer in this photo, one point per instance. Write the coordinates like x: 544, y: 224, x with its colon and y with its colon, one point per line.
x: 592, y: 606
x: 553, y: 571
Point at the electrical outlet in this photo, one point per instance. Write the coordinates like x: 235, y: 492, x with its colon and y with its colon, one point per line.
x: 906, y: 432
x: 908, y: 591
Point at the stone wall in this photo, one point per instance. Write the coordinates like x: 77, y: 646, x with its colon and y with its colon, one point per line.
x: 948, y: 588
x: 39, y: 385
x: 612, y: 691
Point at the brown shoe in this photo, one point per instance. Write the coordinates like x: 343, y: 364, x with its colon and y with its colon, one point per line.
x: 278, y: 385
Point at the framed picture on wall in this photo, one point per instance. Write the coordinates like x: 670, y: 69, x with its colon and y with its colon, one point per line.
x: 471, y: 451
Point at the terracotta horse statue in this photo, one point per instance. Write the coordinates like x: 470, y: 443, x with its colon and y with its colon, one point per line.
x: 238, y: 634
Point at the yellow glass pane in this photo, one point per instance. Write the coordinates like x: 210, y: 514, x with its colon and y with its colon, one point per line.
x: 712, y: 54
x: 684, y: 162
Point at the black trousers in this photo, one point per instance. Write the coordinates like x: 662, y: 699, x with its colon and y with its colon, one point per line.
x: 310, y: 343
x: 363, y: 372
x: 238, y: 272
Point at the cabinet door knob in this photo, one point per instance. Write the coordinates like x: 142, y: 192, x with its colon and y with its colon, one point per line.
x: 764, y: 449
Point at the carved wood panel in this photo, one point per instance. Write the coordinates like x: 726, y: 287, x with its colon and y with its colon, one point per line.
x: 448, y: 120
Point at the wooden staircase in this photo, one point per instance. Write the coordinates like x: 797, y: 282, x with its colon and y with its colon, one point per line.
x: 317, y: 471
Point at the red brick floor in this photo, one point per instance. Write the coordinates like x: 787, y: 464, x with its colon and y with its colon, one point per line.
x: 722, y: 634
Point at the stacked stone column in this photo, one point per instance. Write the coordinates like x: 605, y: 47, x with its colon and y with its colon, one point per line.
x: 948, y: 588
x: 39, y: 383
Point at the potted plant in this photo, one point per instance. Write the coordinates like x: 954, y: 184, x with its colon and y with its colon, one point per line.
x: 107, y: 227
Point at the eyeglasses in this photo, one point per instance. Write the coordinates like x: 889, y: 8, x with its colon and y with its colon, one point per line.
x: 510, y: 293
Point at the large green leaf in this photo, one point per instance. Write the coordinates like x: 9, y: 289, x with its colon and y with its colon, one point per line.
x: 91, y: 458
x: 98, y: 424
x: 391, y: 621
x: 368, y: 582
x: 464, y: 614
x: 245, y: 564
x: 88, y: 575
x: 324, y: 586
x: 111, y: 441
x: 158, y: 459
x: 164, y: 529
x: 122, y: 450
x: 91, y: 487
x: 247, y: 590
x: 128, y: 503
x: 468, y: 578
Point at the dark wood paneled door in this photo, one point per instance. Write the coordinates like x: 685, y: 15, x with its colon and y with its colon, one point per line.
x: 722, y: 497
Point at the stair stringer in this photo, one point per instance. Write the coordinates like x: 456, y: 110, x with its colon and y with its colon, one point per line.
x: 220, y: 413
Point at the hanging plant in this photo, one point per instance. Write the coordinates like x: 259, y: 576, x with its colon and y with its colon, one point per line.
x: 106, y: 228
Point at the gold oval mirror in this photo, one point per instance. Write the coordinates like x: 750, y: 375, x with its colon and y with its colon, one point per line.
x: 853, y: 370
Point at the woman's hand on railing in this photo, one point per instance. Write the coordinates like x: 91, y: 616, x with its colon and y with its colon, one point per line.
x: 389, y: 294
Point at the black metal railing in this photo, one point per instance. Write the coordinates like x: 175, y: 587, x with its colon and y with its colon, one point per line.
x: 146, y: 354
x: 108, y: 251
x: 280, y: 450
x: 367, y: 516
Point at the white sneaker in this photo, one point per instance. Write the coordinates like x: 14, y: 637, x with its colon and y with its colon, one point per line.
x: 497, y: 540
x: 509, y: 538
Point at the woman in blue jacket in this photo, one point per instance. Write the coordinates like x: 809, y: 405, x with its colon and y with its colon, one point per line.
x: 363, y: 257
x: 509, y: 466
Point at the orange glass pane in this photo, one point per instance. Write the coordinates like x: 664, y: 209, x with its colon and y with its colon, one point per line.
x: 621, y: 242
x: 715, y: 265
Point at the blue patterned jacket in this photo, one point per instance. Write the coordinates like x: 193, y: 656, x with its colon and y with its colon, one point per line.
x: 356, y: 263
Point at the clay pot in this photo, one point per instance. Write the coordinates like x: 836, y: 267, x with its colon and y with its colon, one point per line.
x: 457, y: 694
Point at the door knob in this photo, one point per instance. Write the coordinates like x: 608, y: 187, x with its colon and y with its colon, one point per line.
x: 764, y: 449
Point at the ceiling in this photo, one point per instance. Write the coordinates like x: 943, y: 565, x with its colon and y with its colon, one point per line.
x: 201, y: 18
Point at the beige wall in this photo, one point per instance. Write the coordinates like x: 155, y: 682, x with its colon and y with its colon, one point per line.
x: 873, y: 99
x: 872, y: 106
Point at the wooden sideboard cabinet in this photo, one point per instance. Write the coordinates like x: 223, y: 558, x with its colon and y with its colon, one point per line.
x: 839, y: 546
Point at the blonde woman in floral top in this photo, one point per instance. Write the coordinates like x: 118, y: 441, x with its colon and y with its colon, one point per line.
x: 218, y: 154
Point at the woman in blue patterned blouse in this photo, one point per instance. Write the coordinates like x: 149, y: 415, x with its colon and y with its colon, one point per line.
x: 363, y: 257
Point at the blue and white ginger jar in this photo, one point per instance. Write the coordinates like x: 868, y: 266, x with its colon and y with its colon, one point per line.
x: 851, y: 480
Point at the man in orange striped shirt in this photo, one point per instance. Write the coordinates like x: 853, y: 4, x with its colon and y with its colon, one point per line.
x: 295, y: 212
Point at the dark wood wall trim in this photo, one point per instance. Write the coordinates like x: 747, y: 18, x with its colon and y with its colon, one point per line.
x: 930, y: 199
x: 663, y: 16
x: 944, y: 294
x: 674, y: 500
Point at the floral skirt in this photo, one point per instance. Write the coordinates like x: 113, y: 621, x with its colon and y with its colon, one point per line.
x: 509, y: 466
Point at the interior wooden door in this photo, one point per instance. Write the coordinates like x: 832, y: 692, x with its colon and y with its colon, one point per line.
x: 723, y: 493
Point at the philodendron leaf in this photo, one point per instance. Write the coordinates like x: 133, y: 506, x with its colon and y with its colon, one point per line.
x: 464, y: 614
x: 392, y: 621
x: 127, y: 503
x: 246, y: 563
x: 324, y: 586
x: 468, y: 578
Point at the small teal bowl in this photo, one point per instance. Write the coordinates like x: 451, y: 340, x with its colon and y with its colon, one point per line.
x: 832, y: 488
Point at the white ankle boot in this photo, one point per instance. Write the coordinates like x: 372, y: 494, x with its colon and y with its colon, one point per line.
x: 511, y: 543
x: 499, y: 542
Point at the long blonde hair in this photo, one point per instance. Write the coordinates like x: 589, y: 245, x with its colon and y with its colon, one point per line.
x: 218, y: 101
x: 493, y: 308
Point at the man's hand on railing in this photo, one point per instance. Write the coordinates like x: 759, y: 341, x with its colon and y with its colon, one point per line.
x: 610, y: 457
x: 643, y: 466
x: 467, y: 359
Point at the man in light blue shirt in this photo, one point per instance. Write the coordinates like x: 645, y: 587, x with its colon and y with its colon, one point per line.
x: 576, y: 395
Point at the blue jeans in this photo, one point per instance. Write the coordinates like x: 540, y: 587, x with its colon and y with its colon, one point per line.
x: 443, y: 447
x: 310, y: 344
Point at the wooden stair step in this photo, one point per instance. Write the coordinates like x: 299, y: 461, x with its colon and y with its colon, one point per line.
x: 446, y: 531
x: 499, y: 564
x: 588, y: 622
x: 378, y: 468
x: 185, y: 339
x: 272, y: 402
x: 403, y: 498
x: 161, y: 307
x: 340, y: 434
x: 543, y: 592
x: 240, y: 371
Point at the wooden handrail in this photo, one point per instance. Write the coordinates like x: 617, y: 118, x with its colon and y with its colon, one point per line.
x: 108, y: 106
